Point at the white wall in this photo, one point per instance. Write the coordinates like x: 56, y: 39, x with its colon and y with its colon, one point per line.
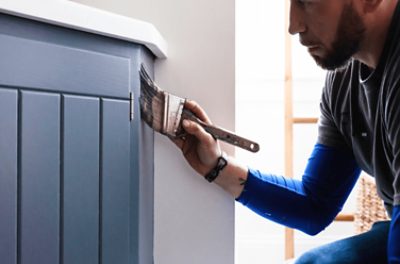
x: 194, y: 220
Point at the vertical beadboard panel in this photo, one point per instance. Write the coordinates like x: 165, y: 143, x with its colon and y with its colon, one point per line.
x: 115, y: 181
x: 40, y: 178
x: 81, y: 180
x: 8, y: 175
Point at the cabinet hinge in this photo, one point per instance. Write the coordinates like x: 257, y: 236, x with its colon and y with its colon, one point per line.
x: 131, y: 106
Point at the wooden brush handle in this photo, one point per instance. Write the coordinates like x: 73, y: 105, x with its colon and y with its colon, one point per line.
x: 222, y: 134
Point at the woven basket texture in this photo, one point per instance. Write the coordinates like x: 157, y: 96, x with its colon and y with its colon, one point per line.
x: 369, y: 207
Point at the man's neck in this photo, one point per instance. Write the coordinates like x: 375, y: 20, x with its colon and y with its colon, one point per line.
x: 377, y: 24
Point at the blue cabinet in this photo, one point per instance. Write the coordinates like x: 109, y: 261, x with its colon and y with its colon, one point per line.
x: 76, y: 173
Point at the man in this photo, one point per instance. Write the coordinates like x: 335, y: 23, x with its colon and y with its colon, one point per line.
x: 358, y: 41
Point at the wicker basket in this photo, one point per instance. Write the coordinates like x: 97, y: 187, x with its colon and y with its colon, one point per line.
x: 369, y: 206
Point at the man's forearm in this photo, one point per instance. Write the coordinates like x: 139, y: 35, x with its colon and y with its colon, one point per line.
x: 233, y: 177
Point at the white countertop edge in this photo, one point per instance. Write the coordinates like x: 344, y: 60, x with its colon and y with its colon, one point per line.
x: 77, y: 16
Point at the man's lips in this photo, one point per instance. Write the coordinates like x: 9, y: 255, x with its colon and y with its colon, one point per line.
x: 311, y: 47
x: 307, y: 43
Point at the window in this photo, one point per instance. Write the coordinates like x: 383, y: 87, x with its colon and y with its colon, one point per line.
x: 260, y: 57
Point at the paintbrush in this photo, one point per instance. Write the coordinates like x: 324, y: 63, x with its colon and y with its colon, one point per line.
x: 164, y: 112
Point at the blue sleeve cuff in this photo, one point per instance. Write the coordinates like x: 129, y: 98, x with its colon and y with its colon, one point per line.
x: 394, y: 237
x: 255, y: 186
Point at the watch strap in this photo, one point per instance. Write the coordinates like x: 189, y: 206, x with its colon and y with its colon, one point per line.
x: 221, y: 164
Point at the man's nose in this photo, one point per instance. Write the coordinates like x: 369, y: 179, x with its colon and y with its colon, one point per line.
x: 296, y: 21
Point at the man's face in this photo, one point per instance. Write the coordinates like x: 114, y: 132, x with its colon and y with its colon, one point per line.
x: 332, y: 30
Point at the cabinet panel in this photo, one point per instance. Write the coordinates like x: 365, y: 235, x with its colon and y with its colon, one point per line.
x: 115, y: 182
x: 81, y: 180
x: 8, y: 176
x: 40, y: 178
x: 41, y: 65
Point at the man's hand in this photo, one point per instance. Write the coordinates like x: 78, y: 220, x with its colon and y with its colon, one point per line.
x: 202, y: 151
x: 199, y: 148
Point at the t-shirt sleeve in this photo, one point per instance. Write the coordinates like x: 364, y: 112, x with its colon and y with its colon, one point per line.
x: 328, y: 132
x: 392, y: 124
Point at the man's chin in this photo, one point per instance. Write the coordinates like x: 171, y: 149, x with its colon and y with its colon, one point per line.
x: 330, y: 64
x: 319, y: 59
x: 320, y: 62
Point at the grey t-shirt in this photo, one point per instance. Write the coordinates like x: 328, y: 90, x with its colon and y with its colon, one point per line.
x: 360, y: 109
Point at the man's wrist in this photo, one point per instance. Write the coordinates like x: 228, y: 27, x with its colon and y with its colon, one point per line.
x: 222, y: 162
x: 233, y: 177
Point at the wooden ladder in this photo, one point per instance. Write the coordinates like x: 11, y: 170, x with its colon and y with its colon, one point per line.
x: 290, y: 121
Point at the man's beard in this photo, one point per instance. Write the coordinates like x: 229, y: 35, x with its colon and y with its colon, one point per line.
x: 349, y: 35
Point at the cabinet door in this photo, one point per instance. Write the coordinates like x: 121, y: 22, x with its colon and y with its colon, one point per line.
x: 75, y: 172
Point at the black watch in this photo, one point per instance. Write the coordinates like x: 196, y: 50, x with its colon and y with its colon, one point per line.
x: 221, y: 163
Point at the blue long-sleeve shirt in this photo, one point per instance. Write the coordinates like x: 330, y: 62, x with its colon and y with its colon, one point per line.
x: 311, y: 204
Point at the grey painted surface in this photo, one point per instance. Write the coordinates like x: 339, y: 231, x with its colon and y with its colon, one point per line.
x: 40, y: 178
x: 80, y: 172
x: 42, y: 65
x: 145, y: 187
x: 115, y: 182
x: 81, y: 180
x: 8, y: 176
